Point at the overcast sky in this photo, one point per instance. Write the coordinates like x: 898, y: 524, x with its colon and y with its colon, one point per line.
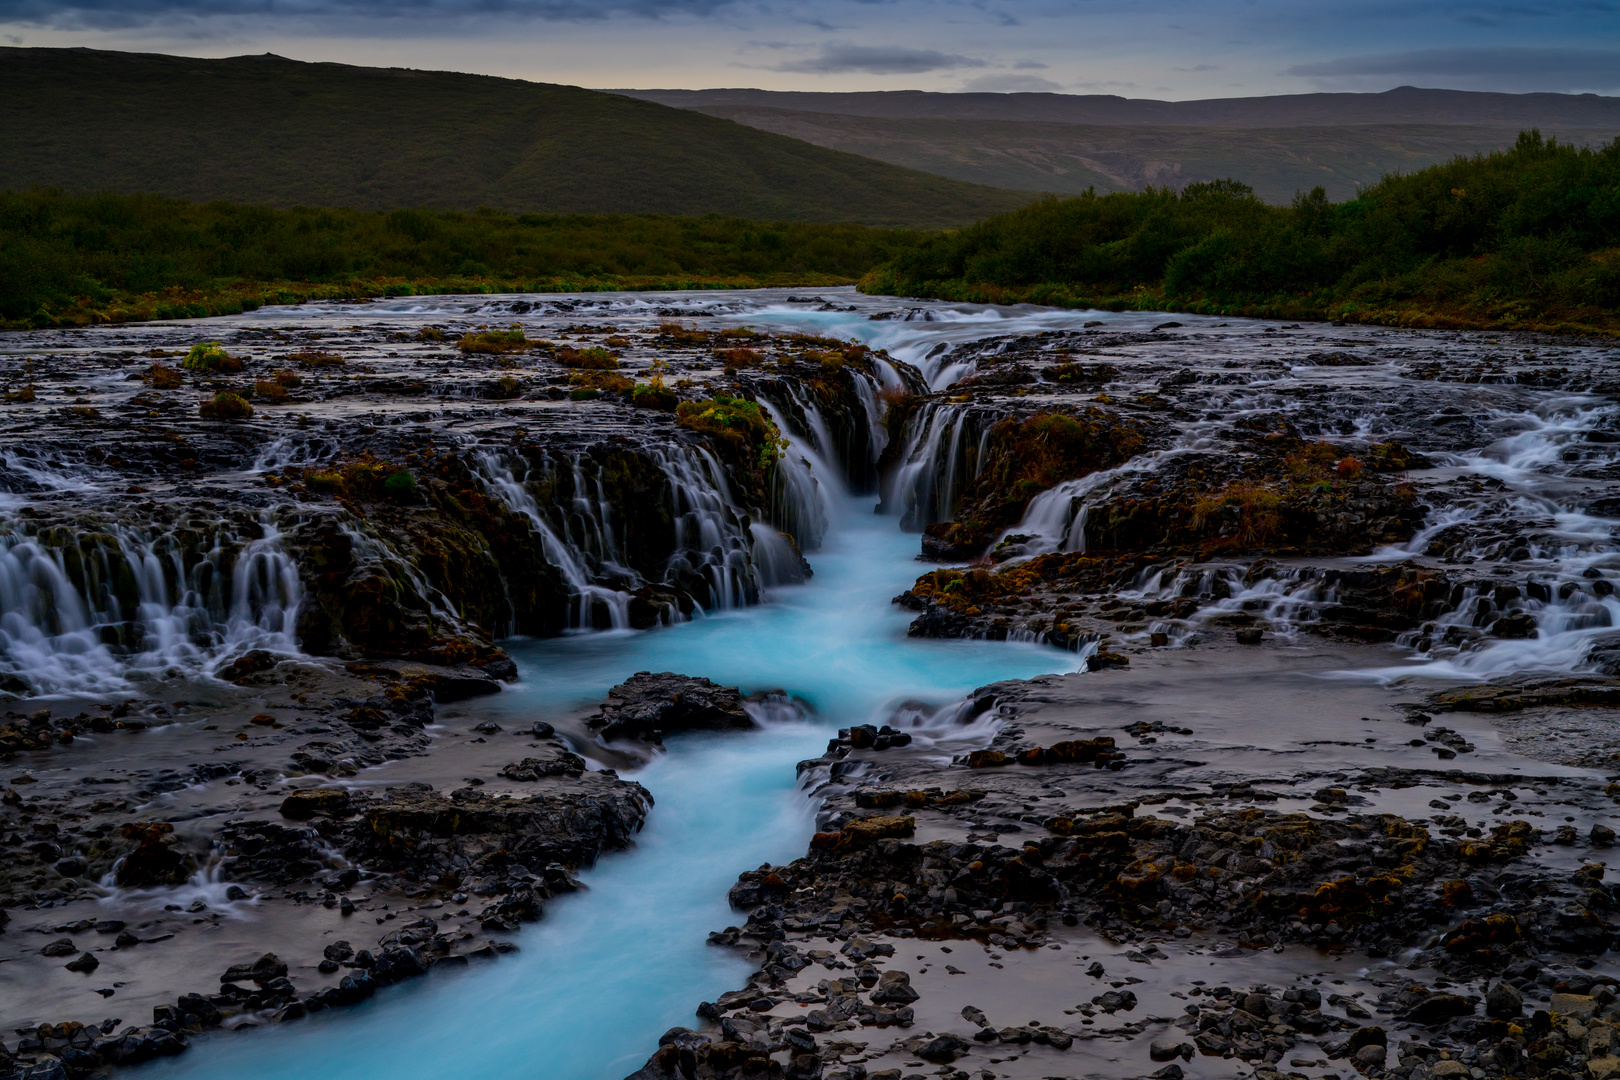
x: 1173, y: 49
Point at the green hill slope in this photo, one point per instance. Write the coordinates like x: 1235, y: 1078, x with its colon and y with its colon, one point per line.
x: 273, y: 131
x: 1065, y: 158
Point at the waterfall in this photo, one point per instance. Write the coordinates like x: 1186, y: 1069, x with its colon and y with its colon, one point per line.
x: 587, y: 599
x: 944, y: 449
x: 87, y: 612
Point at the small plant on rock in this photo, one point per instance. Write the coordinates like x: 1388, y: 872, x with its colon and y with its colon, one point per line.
x: 163, y: 377
x: 226, y: 406
x: 211, y: 356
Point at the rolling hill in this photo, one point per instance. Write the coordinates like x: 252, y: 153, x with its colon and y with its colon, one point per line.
x: 1067, y: 143
x: 272, y: 131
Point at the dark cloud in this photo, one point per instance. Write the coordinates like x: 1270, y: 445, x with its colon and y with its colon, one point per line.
x: 117, y: 14
x: 879, y: 60
x: 1503, y: 68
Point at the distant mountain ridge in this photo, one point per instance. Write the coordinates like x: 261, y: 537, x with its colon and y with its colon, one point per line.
x: 1402, y: 105
x: 1067, y: 143
x: 272, y: 131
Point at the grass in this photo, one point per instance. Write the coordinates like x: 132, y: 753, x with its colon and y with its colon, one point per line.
x: 276, y: 132
x: 69, y: 260
x: 1526, y: 238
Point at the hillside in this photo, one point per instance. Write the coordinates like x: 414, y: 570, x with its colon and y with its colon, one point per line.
x: 1069, y: 158
x: 1403, y: 105
x: 272, y: 131
x: 1524, y: 238
x: 1067, y: 143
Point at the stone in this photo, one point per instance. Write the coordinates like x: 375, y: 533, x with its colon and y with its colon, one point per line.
x: 1438, y: 1008
x: 1601, y: 835
x: 1371, y: 1054
x: 1169, y: 1072
x: 306, y: 804
x: 1580, y: 1006
x: 263, y: 970
x: 155, y: 860
x: 59, y: 947
x: 1503, y: 1001
x: 1165, y: 1050
x: 86, y: 963
x: 894, y: 988
x: 648, y: 706
x: 1249, y: 635
x: 1449, y: 1067
x: 943, y: 1049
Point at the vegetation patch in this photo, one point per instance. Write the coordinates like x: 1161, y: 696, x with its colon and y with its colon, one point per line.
x: 163, y: 377
x: 364, y: 479
x: 1526, y: 238
x: 211, y: 356
x: 495, y: 341
x: 594, y: 358
x: 76, y: 260
x: 226, y: 406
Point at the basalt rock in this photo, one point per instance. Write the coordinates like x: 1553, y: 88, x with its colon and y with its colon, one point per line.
x: 647, y: 706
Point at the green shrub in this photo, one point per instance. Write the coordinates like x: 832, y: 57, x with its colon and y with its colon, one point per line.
x: 401, y: 487
x: 495, y: 342
x: 595, y: 358
x: 654, y: 395
x: 211, y: 356
x: 226, y: 406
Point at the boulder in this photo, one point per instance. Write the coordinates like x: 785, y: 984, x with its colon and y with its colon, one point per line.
x: 894, y: 988
x: 303, y: 805
x: 1503, y: 1001
x: 264, y: 969
x: 647, y: 706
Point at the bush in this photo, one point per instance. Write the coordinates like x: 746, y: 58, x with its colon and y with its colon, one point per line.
x: 497, y: 342
x: 1527, y: 236
x: 654, y: 395
x: 593, y: 359
x: 211, y: 356
x: 226, y: 406
x: 316, y: 358
x: 401, y: 487
x: 162, y: 377
x: 270, y: 391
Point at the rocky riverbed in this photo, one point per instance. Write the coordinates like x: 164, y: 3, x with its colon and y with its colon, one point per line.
x: 1329, y: 787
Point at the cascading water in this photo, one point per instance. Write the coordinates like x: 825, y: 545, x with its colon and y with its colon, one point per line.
x: 87, y: 614
x: 944, y: 449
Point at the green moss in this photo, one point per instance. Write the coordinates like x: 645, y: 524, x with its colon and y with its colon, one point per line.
x: 226, y: 406
x: 210, y: 356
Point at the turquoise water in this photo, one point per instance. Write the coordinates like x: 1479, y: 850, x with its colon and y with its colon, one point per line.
x: 609, y: 970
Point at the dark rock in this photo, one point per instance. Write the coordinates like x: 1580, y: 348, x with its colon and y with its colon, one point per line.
x: 59, y: 947
x: 1438, y: 1008
x: 86, y: 963
x: 263, y: 970
x: 1504, y: 1001
x: 648, y: 706
x: 206, y: 1012
x: 531, y: 769
x: 894, y: 988
x: 155, y: 860
x: 306, y: 804
x: 943, y: 1049
x: 463, y: 684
